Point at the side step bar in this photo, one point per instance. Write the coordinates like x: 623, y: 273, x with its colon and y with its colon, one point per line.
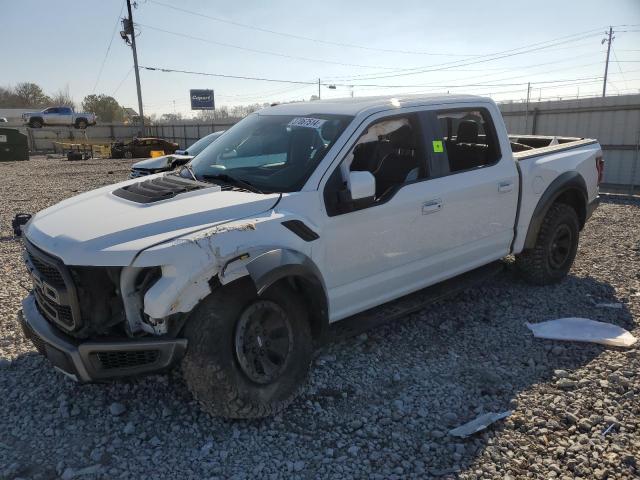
x: 411, y: 303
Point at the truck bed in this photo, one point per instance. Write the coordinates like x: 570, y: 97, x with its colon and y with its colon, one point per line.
x: 527, y: 146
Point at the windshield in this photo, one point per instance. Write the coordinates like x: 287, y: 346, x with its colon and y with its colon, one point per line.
x: 203, y: 143
x: 273, y: 153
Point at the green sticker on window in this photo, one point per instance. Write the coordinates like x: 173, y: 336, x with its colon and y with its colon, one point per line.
x: 437, y: 146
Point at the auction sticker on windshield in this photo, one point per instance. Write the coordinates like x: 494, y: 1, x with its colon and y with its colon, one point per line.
x: 307, y: 122
x: 3, y: 139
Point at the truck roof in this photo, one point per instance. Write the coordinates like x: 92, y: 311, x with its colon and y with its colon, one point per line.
x: 355, y: 106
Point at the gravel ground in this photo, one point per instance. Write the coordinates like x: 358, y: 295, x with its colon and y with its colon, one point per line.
x: 378, y: 405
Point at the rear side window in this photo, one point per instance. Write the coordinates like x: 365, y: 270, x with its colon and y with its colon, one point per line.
x: 469, y: 139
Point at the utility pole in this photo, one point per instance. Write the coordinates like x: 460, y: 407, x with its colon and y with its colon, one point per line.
x: 129, y: 30
x: 318, y: 89
x: 606, y: 65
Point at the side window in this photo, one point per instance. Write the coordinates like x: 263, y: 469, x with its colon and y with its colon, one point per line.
x: 391, y: 150
x: 469, y: 139
x: 51, y: 110
x: 64, y: 110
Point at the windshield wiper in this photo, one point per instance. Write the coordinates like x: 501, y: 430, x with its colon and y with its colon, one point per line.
x: 233, y: 181
x: 188, y: 168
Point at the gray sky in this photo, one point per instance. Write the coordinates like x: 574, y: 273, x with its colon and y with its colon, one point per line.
x: 62, y: 43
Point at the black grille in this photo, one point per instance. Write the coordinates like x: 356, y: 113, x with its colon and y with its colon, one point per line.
x: 54, y: 290
x: 56, y: 313
x: 34, y: 337
x: 48, y: 272
x: 126, y: 359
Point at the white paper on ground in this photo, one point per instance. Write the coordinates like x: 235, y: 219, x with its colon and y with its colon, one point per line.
x: 478, y: 423
x: 582, y: 330
x: 609, y: 305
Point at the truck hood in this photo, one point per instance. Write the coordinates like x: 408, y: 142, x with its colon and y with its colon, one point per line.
x: 163, y: 162
x: 99, y: 228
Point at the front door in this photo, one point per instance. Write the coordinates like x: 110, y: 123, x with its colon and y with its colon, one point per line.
x: 368, y: 251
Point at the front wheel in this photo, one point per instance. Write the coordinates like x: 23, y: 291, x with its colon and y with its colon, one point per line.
x: 248, y: 356
x: 550, y: 260
x: 36, y: 123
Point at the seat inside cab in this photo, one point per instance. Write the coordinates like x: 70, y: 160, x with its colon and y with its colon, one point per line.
x: 389, y: 151
x: 468, y: 143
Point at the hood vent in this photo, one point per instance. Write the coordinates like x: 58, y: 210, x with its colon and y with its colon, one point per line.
x: 158, y: 189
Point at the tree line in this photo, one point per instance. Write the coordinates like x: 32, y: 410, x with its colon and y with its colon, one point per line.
x: 107, y: 108
x: 31, y: 95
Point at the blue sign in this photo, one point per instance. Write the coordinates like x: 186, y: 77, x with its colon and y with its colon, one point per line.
x: 202, y: 100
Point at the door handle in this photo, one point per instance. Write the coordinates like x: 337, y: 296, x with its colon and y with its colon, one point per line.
x: 432, y: 206
x: 504, y: 187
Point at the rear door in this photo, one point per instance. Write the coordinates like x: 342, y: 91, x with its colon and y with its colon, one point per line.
x: 65, y: 116
x: 50, y: 116
x: 472, y: 196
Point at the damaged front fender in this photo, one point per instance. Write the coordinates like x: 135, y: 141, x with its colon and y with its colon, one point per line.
x: 188, y: 264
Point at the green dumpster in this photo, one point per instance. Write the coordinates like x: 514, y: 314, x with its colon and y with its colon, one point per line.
x: 13, y: 145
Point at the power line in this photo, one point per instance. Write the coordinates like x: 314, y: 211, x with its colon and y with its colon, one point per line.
x: 262, y: 52
x: 237, y: 77
x: 457, y: 69
x: 615, y: 57
x: 451, y: 65
x: 301, y: 37
x: 122, y: 81
x: 301, y: 82
x: 409, y: 71
x: 115, y: 27
x: 488, y: 57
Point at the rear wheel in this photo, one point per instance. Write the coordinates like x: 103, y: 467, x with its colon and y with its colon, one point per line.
x: 81, y: 124
x: 248, y: 356
x: 551, y: 258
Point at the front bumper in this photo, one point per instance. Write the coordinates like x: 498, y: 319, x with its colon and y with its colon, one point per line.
x: 88, y: 361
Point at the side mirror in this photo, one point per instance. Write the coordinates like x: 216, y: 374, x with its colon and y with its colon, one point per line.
x: 361, y: 185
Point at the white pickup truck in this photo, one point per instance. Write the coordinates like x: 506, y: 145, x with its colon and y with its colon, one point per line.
x: 59, y: 116
x: 297, y: 217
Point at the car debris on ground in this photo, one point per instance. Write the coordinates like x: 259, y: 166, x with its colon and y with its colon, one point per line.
x: 478, y: 424
x: 583, y: 330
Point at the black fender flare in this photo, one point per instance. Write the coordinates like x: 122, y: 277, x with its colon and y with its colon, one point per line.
x: 280, y: 263
x: 566, y: 182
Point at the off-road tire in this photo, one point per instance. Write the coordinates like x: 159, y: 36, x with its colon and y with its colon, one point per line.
x: 36, y: 123
x: 81, y: 123
x: 211, y: 368
x: 536, y: 265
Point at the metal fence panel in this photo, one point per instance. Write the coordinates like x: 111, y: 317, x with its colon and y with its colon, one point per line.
x: 614, y: 121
